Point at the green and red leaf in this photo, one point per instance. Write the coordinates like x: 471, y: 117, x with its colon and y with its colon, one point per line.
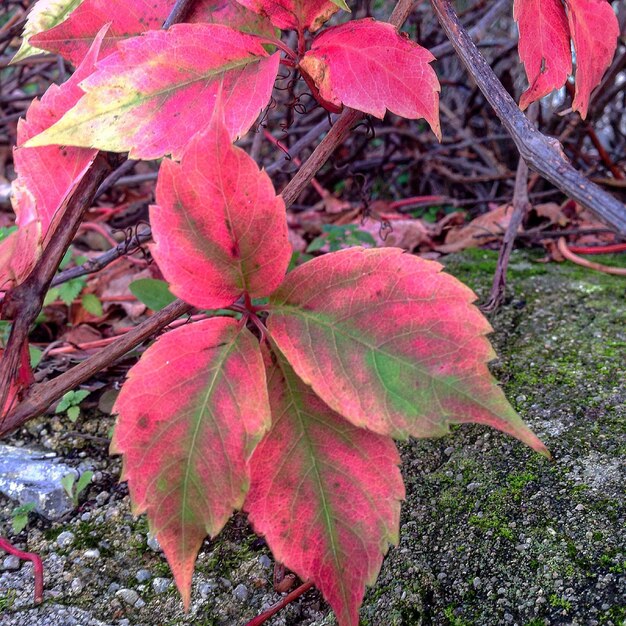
x: 325, y: 494
x: 157, y: 91
x: 369, y: 66
x: 391, y: 343
x: 295, y: 14
x: 72, y: 38
x: 219, y: 227
x: 190, y: 415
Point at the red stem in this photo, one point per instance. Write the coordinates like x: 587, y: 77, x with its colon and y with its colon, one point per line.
x: 611, y: 249
x: 35, y: 559
x: 296, y: 593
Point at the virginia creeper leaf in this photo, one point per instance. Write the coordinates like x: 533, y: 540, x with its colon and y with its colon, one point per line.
x: 44, y: 15
x: 391, y: 343
x: 220, y: 230
x: 325, y: 494
x: 369, y: 66
x: 544, y: 46
x: 46, y: 175
x: 73, y: 37
x: 594, y: 28
x: 151, y: 96
x: 545, y: 29
x: 295, y: 14
x: 190, y: 414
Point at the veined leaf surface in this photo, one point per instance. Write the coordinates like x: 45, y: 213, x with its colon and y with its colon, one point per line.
x: 325, y: 494
x: 44, y: 15
x: 220, y: 230
x: 391, y: 343
x: 368, y: 66
x: 72, y: 38
x: 190, y: 414
x: 151, y: 96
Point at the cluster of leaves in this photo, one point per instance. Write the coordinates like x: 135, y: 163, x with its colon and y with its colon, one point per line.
x: 289, y: 411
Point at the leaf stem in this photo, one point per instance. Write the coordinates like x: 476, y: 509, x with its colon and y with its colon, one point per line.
x: 35, y: 559
x: 296, y: 593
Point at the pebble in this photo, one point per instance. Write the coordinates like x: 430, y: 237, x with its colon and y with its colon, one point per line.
x: 153, y: 544
x: 477, y: 583
x: 129, y: 596
x: 241, y: 593
x: 265, y: 561
x: 142, y: 575
x: 448, y: 451
x: 226, y: 583
x: 139, y: 604
x: 113, y: 587
x: 65, y: 539
x: 161, y: 585
x: 92, y: 554
x: 76, y: 586
x: 10, y: 563
x: 473, y: 486
x: 206, y: 589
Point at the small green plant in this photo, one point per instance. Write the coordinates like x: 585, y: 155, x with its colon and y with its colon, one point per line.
x: 558, y: 602
x: 19, y: 516
x: 7, y: 600
x: 338, y: 237
x: 70, y: 403
x: 74, y: 487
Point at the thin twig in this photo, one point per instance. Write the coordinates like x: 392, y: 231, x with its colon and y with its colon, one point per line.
x: 100, y: 262
x: 521, y: 206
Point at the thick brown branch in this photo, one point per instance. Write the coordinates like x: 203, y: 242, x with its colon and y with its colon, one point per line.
x: 22, y: 304
x: 41, y: 396
x: 542, y: 154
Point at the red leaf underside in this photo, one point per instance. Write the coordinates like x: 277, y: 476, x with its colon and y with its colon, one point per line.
x: 190, y: 414
x: 594, y: 28
x: 158, y: 90
x: 369, y: 66
x: 294, y: 14
x: 544, y: 46
x: 391, y: 343
x: 220, y: 229
x: 325, y: 494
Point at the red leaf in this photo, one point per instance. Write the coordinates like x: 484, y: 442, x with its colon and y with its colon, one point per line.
x: 324, y: 493
x: 72, y: 38
x: 46, y: 175
x: 595, y: 30
x: 369, y: 66
x: 544, y: 46
x: 294, y: 14
x: 391, y: 343
x: 190, y: 414
x: 220, y: 229
x: 545, y: 28
x: 158, y: 90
